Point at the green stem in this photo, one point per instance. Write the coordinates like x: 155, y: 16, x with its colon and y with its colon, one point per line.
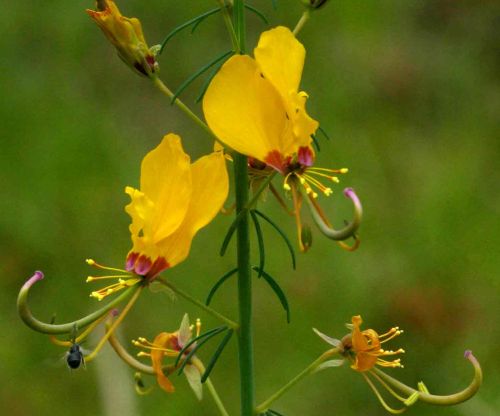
x: 245, y: 333
x: 196, y: 302
x: 218, y: 402
x: 229, y: 25
x: 165, y: 90
x: 244, y: 286
x: 261, y: 408
x: 303, y: 19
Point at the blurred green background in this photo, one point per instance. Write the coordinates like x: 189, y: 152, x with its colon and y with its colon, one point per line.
x: 409, y: 92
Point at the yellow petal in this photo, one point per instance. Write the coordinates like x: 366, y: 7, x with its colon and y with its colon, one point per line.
x: 281, y: 58
x: 210, y: 189
x: 166, y: 181
x: 245, y: 111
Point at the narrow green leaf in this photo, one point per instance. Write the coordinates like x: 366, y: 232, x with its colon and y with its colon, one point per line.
x: 281, y: 233
x: 277, y: 290
x: 204, y: 68
x: 209, y: 334
x: 186, y: 24
x: 198, y: 345
x: 258, y: 13
x: 274, y: 413
x: 230, y: 232
x: 207, y: 81
x: 218, y: 284
x: 260, y: 240
x: 216, y: 355
x: 275, y: 4
x: 316, y: 143
x: 322, y: 130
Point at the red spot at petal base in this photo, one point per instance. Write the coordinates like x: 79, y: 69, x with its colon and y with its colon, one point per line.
x: 277, y: 161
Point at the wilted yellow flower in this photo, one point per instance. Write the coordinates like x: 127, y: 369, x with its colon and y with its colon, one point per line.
x: 366, y: 346
x: 126, y: 36
x: 169, y: 344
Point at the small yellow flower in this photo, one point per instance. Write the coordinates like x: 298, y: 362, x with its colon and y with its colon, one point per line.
x: 366, y: 346
x: 169, y: 344
x: 176, y: 199
x: 126, y: 36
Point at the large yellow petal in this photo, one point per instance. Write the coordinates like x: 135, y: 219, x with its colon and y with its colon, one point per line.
x: 245, y: 111
x: 210, y: 189
x: 281, y: 58
x: 166, y: 181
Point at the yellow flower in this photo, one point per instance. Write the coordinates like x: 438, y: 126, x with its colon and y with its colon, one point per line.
x: 176, y: 199
x: 365, y: 347
x: 254, y: 106
x: 169, y: 344
x: 126, y: 35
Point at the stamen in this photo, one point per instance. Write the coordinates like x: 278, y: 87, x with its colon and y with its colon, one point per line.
x: 388, y: 388
x: 327, y: 191
x: 93, y: 263
x: 381, y: 399
x: 115, y: 325
x: 198, y: 327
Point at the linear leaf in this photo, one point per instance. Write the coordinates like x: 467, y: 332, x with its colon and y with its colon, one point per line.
x: 275, y: 4
x: 186, y: 24
x: 277, y: 290
x: 316, y: 142
x: 260, y: 240
x: 281, y: 233
x: 216, y: 355
x: 207, y: 81
x: 322, y: 130
x: 274, y: 413
x: 258, y: 13
x: 193, y: 351
x: 209, y: 334
x: 218, y: 284
x: 203, y: 69
x: 230, y: 232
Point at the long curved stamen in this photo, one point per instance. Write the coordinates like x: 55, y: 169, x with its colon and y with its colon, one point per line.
x: 324, y: 189
x: 78, y: 339
x: 349, y: 230
x: 381, y: 399
x: 115, y: 325
x: 93, y: 263
x: 387, y: 387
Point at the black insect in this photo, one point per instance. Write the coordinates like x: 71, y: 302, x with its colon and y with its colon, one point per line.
x: 74, y: 357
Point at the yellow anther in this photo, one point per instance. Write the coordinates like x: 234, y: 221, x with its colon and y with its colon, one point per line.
x: 335, y: 179
x: 89, y: 279
x: 344, y: 170
x: 286, y: 187
x: 90, y: 262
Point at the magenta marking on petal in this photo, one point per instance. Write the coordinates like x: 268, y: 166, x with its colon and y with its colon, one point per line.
x: 159, y: 265
x: 305, y: 156
x: 131, y: 259
x: 467, y: 353
x: 143, y: 265
x: 38, y: 275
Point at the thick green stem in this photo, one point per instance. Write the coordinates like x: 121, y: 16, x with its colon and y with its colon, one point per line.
x: 304, y: 373
x: 245, y: 332
x: 244, y: 287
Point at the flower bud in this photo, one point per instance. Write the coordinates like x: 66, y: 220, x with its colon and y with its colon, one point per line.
x: 313, y: 4
x: 126, y: 36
